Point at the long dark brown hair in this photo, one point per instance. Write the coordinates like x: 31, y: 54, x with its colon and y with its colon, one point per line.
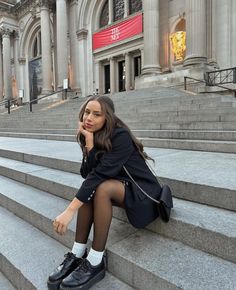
x: 102, y: 137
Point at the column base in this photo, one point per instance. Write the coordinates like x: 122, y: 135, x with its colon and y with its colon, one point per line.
x: 213, y: 63
x: 151, y: 70
x: 195, y: 61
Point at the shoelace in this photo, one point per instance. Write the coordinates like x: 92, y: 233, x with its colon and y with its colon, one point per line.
x: 84, y: 266
x: 68, y: 257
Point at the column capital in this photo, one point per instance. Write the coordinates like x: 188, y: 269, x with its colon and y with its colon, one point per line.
x: 5, y: 31
x: 82, y: 34
x: 43, y: 4
x: 127, y: 53
x: 73, y: 2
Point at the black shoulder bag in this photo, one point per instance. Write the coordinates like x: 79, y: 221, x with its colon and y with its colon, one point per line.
x: 165, y: 202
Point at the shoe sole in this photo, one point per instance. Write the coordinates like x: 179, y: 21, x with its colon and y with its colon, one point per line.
x: 87, y: 285
x: 54, y: 285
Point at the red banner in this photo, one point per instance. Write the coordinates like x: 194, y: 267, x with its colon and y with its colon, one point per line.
x: 118, y: 32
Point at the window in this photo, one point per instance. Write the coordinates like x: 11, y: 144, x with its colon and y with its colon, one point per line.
x: 104, y: 18
x: 135, y: 6
x: 36, y: 50
x: 119, y: 9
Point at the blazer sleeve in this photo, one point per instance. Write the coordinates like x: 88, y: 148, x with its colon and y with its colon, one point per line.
x: 109, y: 165
x: 88, y: 163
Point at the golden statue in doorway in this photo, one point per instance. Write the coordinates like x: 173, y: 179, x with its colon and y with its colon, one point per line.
x: 178, y: 44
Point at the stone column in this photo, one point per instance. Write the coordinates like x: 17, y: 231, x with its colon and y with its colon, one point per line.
x: 126, y: 8
x: 223, y: 36
x: 151, y: 37
x: 211, y: 33
x: 74, y: 47
x: 127, y: 71
x: 1, y: 72
x: 112, y: 75
x: 97, y: 77
x: 7, y: 75
x: 62, y: 51
x: 111, y: 13
x: 22, y: 85
x: 195, y: 32
x: 142, y: 58
x: 16, y: 59
x: 46, y: 49
x: 82, y: 36
x: 233, y: 43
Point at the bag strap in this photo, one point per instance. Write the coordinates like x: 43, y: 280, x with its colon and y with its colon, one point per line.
x: 144, y: 192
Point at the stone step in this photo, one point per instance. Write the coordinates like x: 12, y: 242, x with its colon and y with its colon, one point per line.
x: 186, y: 134
x: 149, y: 261
x: 220, y: 126
x: 5, y: 284
x: 183, y: 144
x: 143, y: 124
x: 28, y: 262
x: 161, y: 99
x: 151, y: 116
x: 180, y: 119
x: 150, y: 269
x: 52, y: 136
x: 198, y: 176
x: 145, y: 107
x: 185, y: 225
x: 196, y: 145
x: 69, y: 134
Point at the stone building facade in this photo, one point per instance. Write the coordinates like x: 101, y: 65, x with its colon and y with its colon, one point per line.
x: 107, y: 46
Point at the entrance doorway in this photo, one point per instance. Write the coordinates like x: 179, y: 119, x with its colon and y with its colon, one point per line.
x: 137, y: 66
x: 107, y: 79
x: 35, y: 78
x: 121, y: 68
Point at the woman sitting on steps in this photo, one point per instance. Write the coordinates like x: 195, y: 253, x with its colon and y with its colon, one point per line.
x: 107, y: 145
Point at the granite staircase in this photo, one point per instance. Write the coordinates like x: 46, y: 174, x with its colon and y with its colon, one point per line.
x: 161, y: 117
x: 196, y: 250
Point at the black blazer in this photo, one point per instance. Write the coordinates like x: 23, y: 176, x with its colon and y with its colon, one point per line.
x: 110, y: 166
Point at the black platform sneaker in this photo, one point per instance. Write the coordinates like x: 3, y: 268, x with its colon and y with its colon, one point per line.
x: 70, y: 263
x: 84, y: 276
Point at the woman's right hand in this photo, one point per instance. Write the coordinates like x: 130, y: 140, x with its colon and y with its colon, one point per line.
x: 88, y: 136
x: 61, y: 222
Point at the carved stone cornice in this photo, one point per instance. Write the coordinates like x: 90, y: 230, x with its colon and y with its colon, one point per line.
x: 29, y: 6
x: 82, y: 34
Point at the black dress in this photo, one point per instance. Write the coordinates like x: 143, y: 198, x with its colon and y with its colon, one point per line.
x: 140, y: 210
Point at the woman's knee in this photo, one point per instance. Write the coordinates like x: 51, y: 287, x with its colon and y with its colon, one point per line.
x: 108, y: 189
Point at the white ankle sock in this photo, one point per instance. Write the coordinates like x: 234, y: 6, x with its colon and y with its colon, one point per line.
x: 78, y: 249
x: 95, y: 257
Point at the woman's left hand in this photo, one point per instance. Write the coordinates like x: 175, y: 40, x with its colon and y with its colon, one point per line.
x: 62, y: 221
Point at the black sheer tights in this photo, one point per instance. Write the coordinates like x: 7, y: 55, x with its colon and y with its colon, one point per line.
x: 99, y: 212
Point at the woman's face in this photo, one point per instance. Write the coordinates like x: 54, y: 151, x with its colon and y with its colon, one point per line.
x: 93, y: 118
